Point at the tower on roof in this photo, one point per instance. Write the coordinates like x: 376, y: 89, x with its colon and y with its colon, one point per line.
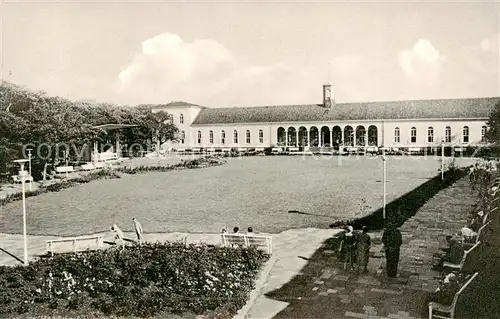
x: 328, y: 97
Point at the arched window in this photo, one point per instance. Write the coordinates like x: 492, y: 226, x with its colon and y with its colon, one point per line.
x: 465, y: 134
x: 483, y: 134
x: 447, y: 134
x: 211, y: 137
x: 235, y: 137
x: 430, y: 135
x: 183, y: 137
x: 199, y: 137
x: 181, y: 118
x: 413, y: 135
x: 248, y: 137
x: 261, y: 136
x: 397, y: 135
x: 223, y: 137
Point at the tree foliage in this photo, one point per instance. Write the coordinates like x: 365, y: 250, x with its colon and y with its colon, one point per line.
x: 493, y: 133
x: 67, y: 128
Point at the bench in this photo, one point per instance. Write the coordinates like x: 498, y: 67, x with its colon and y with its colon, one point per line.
x: 464, y: 259
x: 259, y: 241
x: 74, y: 244
x: 478, y: 237
x: 88, y: 167
x: 64, y: 169
x: 17, y: 179
x: 448, y: 312
x: 372, y: 149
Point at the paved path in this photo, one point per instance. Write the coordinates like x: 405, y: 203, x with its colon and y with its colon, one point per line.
x: 324, y: 290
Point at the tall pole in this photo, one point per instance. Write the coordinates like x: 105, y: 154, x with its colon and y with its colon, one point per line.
x: 442, y: 160
x: 22, y: 176
x: 24, y: 224
x: 29, y: 157
x: 384, y: 159
x: 66, y: 163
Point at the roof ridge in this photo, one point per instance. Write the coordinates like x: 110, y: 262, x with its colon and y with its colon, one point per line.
x: 361, y: 102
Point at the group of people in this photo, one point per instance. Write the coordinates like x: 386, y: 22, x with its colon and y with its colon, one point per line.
x: 118, y: 233
x: 482, y: 172
x: 236, y: 230
x: 455, y: 250
x: 354, y: 249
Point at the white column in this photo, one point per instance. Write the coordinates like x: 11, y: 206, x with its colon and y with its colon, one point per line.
x: 95, y: 153
x: 308, y: 141
x: 297, y: 138
x: 286, y: 138
x: 117, y: 137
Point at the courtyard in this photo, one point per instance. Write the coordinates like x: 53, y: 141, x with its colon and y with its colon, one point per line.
x: 247, y: 191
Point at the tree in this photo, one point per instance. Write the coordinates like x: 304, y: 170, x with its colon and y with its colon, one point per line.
x: 65, y: 127
x: 493, y: 133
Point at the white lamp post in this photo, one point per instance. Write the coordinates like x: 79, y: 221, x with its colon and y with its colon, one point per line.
x: 442, y: 160
x: 66, y: 162
x: 384, y: 160
x: 22, y: 175
x: 29, y: 158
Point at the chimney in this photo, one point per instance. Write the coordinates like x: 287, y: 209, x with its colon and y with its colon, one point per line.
x: 328, y: 97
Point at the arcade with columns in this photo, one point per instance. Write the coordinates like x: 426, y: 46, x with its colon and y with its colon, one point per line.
x: 327, y: 136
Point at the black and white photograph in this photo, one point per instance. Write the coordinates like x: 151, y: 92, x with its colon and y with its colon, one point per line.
x: 249, y: 159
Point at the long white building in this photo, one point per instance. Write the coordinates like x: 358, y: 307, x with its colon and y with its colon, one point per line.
x: 395, y: 124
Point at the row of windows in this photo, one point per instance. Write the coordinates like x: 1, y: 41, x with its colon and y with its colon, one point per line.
x: 430, y: 134
x: 223, y: 137
x: 397, y: 135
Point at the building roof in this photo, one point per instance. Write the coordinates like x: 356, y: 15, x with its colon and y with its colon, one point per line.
x: 415, y: 109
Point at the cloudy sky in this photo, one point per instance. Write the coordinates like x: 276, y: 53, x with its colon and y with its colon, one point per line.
x: 252, y: 53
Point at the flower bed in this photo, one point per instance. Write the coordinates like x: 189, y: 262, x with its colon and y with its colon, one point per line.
x: 152, y: 280
x: 114, y: 173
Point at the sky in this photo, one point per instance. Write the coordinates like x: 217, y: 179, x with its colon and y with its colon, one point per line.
x: 225, y: 54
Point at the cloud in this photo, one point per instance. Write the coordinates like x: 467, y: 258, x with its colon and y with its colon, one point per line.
x: 490, y: 44
x: 204, y: 71
x: 423, y: 62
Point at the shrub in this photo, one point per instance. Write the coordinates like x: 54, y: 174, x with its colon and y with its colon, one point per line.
x: 138, y: 281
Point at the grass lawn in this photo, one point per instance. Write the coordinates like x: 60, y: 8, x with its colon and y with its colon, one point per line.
x: 247, y: 191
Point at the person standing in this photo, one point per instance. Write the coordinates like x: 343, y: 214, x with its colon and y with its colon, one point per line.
x: 118, y: 236
x: 138, y: 230
x: 392, y: 240
x: 350, y: 248
x: 363, y: 250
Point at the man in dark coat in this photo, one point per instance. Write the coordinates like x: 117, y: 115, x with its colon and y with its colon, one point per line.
x: 392, y: 241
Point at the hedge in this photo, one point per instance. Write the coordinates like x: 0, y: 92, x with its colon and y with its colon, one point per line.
x: 144, y: 281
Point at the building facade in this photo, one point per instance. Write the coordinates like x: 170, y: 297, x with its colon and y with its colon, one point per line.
x: 396, y: 124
